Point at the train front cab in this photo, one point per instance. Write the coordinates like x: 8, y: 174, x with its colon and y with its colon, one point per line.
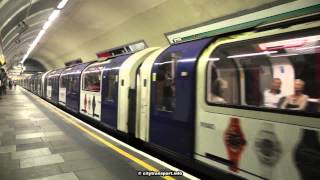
x: 235, y: 131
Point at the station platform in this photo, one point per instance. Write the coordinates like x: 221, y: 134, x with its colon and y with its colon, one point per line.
x: 40, y: 141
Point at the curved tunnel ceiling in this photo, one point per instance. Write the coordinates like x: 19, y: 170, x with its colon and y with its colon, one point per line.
x: 20, y: 22
x: 86, y: 27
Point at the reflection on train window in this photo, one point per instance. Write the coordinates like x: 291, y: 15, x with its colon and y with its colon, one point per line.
x: 224, y: 82
x: 74, y: 84
x: 92, y: 81
x: 49, y: 81
x: 281, y: 73
x: 55, y: 83
x: 165, y: 83
x: 112, y: 87
x: 63, y: 81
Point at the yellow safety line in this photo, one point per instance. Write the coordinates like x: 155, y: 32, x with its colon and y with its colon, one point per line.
x: 108, y: 144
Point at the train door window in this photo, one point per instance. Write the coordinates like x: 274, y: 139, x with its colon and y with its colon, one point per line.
x: 64, y: 81
x: 112, y: 87
x: 69, y: 86
x: 49, y: 81
x: 165, y: 82
x: 277, y: 72
x: 75, y: 84
x: 223, y: 81
x: 92, y: 80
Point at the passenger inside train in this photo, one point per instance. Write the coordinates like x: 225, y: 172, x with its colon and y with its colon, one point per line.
x: 166, y: 96
x: 290, y: 65
x: 218, y: 87
x: 273, y: 95
x: 298, y: 100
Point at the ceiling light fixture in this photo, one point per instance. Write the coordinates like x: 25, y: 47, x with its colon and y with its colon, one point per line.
x: 62, y: 4
x: 54, y: 15
x: 253, y: 54
x: 46, y: 25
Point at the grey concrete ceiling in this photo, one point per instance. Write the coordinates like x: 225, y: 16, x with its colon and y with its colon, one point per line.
x: 88, y: 26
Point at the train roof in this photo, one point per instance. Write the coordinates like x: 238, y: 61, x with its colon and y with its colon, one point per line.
x: 56, y: 72
x: 76, y: 69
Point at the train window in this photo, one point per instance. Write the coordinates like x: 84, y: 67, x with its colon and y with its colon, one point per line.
x: 73, y: 84
x: 69, y: 84
x: 278, y: 72
x: 76, y: 84
x: 223, y: 80
x: 112, y: 87
x: 165, y: 82
x: 92, y: 81
x: 49, y: 81
x: 64, y: 82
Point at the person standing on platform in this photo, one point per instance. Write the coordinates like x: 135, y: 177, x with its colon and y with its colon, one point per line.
x: 5, y: 82
x: 2, y: 79
x: 10, y: 84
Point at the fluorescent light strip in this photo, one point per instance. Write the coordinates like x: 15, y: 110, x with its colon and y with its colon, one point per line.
x: 62, y: 4
x: 46, y: 25
x: 214, y: 59
x: 284, y: 55
x: 306, y: 48
x: 54, y: 15
x: 253, y: 54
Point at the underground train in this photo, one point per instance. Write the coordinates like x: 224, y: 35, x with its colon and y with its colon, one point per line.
x: 247, y: 104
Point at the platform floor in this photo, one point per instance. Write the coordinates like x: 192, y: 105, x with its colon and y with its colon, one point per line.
x: 38, y: 141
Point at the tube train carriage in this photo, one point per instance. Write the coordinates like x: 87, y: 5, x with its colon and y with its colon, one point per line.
x: 206, y: 99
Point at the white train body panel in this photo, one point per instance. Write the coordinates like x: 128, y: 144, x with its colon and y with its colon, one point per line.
x: 144, y: 81
x: 49, y: 92
x: 127, y: 75
x: 62, y: 96
x: 267, y: 144
x: 87, y: 101
x: 43, y: 84
x: 90, y: 102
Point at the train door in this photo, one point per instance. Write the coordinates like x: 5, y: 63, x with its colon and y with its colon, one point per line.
x: 127, y: 90
x: 44, y: 84
x: 55, y: 88
x: 143, y: 96
x: 63, y: 86
x: 110, y: 86
x: 49, y: 80
x: 73, y: 94
x: 172, y: 97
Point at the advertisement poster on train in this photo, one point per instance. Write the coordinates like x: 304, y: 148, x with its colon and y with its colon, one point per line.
x: 307, y: 155
x: 234, y: 141
x: 268, y: 149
